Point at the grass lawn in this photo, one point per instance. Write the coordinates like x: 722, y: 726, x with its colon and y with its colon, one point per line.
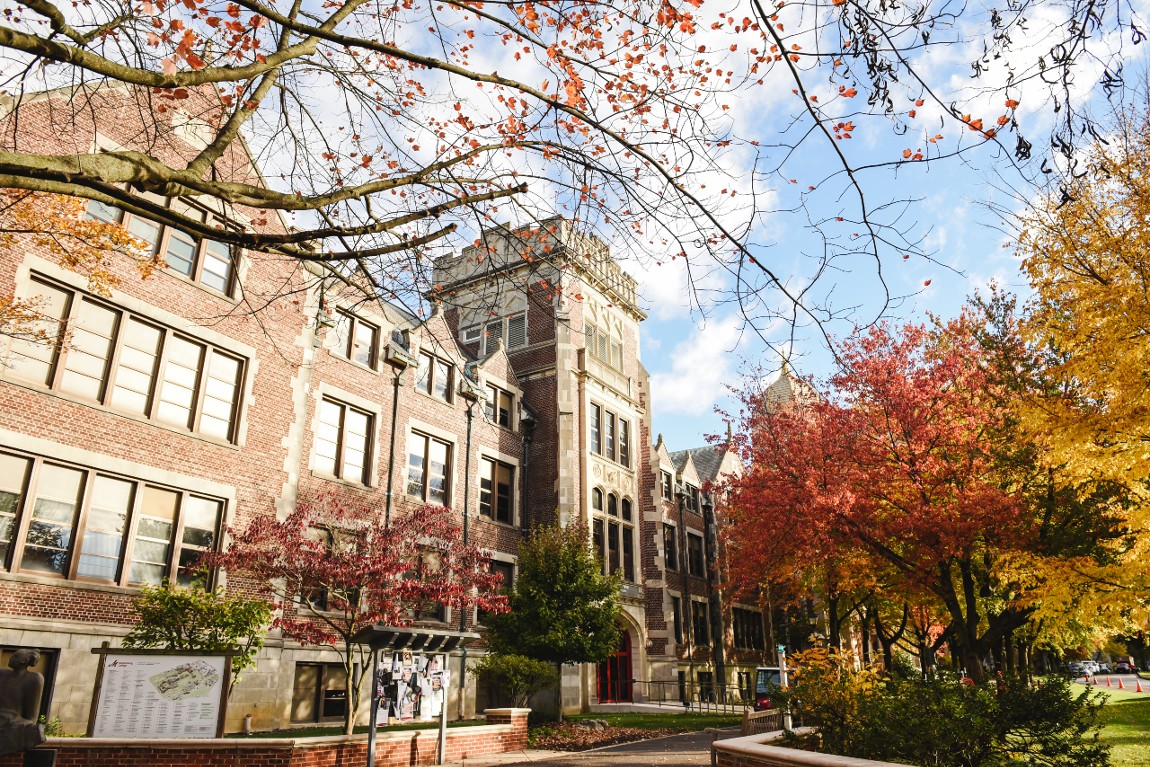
x: 314, y: 732
x: 1127, y: 726
x: 651, y: 721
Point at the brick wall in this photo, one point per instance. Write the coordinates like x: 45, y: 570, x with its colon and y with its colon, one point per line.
x: 506, y: 731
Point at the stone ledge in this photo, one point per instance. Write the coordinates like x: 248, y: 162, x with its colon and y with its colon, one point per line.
x: 753, y: 751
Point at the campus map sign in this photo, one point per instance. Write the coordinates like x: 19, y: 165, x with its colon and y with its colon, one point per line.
x: 159, y: 695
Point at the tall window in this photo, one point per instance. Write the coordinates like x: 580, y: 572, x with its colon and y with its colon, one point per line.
x: 128, y: 363
x: 427, y: 465
x: 696, y: 563
x: 609, y: 435
x: 613, y: 530
x: 748, y: 629
x: 498, y: 407
x: 496, y: 488
x: 82, y: 524
x: 434, y: 377
x: 208, y: 262
x: 677, y: 617
x: 603, y: 347
x: 670, y: 547
x: 668, y: 486
x: 358, y: 339
x: 691, y: 499
x: 700, y: 624
x: 343, y: 441
x: 595, y: 429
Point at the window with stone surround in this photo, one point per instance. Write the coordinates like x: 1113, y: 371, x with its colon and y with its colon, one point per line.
x: 58, y: 519
x: 343, y: 441
x: 204, y: 260
x: 127, y: 362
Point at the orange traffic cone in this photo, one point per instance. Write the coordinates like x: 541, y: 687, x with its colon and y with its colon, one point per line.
x: 1095, y: 681
x: 1107, y: 681
x: 1139, y: 684
x: 1120, y: 687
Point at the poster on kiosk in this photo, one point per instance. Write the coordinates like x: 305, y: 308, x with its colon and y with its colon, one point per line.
x: 410, y: 687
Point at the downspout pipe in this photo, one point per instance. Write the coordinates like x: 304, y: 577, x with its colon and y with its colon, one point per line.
x: 714, y: 598
x: 688, y: 617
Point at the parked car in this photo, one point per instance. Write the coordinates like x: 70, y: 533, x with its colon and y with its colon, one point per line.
x: 1078, y: 668
x: 1123, y: 667
x: 766, y: 678
x: 1104, y: 668
x: 1092, y: 665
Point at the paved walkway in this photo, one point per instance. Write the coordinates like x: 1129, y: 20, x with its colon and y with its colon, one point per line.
x: 688, y: 750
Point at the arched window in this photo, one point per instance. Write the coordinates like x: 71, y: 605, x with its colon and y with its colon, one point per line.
x: 613, y: 538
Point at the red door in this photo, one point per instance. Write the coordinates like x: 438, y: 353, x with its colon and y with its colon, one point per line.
x: 615, y: 674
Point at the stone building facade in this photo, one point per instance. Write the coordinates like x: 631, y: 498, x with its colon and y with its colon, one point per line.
x: 229, y: 384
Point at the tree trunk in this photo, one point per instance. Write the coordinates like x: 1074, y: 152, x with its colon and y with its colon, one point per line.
x: 864, y: 629
x: 559, y: 694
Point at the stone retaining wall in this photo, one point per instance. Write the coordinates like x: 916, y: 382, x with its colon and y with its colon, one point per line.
x: 754, y: 751
x: 506, y: 730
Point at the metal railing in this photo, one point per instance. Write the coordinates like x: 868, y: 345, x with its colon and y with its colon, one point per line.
x: 687, y: 694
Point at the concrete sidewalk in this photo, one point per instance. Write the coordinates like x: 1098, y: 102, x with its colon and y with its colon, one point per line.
x: 691, y: 749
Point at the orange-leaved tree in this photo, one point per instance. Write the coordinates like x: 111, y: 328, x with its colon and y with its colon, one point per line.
x: 57, y: 226
x: 918, y: 463
x: 380, y: 128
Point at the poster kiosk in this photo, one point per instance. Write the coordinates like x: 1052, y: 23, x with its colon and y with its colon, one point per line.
x: 410, y: 678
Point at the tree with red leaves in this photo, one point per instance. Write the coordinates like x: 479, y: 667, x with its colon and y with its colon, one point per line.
x: 333, y: 569
x: 913, y: 466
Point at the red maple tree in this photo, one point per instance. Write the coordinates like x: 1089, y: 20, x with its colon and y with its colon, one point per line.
x: 334, y: 569
x: 906, y: 467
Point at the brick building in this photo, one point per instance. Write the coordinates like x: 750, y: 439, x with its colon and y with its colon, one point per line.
x: 228, y: 385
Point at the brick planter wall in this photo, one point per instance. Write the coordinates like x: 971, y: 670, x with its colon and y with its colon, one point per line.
x: 506, y: 730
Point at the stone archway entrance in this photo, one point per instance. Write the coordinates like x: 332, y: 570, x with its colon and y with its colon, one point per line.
x: 614, y: 674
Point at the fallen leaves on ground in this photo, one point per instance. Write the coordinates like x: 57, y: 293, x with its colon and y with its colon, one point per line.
x: 570, y: 736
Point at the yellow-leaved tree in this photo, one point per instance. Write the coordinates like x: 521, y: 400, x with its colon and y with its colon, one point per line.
x: 59, y: 227
x: 1086, y: 252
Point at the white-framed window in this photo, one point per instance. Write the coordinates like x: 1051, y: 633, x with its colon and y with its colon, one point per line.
x: 434, y: 376
x: 357, y: 339
x: 59, y: 519
x: 204, y: 260
x: 428, y: 468
x: 512, y: 330
x: 497, y: 490
x: 609, y: 434
x: 343, y: 441
x: 603, y: 347
x: 498, y: 407
x: 129, y: 363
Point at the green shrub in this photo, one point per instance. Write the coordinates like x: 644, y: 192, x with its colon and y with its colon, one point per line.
x: 518, y: 676
x: 943, y: 722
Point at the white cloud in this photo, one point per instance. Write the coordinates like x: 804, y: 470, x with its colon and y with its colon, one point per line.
x: 701, y: 366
